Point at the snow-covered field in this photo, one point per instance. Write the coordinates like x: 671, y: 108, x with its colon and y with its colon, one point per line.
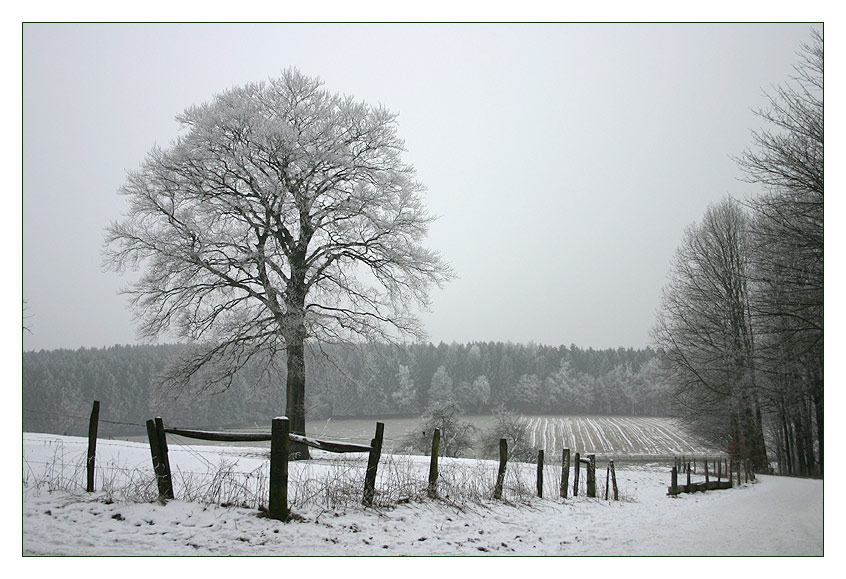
x: 775, y: 516
x: 616, y: 435
x: 642, y: 436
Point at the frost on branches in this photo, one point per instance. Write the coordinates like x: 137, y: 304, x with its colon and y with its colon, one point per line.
x: 283, y: 215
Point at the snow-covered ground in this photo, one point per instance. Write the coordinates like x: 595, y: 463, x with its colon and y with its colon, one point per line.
x: 775, y: 516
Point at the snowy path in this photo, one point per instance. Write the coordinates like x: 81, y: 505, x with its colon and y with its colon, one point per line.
x: 776, y: 516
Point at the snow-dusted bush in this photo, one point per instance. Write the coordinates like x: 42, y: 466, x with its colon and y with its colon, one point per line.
x: 456, y: 435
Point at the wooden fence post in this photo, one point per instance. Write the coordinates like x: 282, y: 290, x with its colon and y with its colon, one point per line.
x: 92, y: 445
x: 687, y: 488
x: 372, y: 465
x: 607, y: 479
x: 500, y: 475
x: 160, y: 433
x: 591, y: 478
x: 540, y: 474
x: 565, y: 472
x: 674, y: 479
x: 432, y: 491
x: 162, y: 480
x: 706, y: 475
x: 280, y: 444
x: 577, y: 464
x: 614, y: 482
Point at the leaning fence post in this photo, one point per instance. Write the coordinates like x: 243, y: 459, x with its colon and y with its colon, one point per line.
x: 158, y: 462
x: 160, y: 433
x: 540, y: 474
x: 92, y: 444
x: 372, y: 466
x: 577, y: 464
x: 607, y: 477
x: 614, y: 482
x: 565, y: 472
x: 500, y: 475
x: 591, y: 477
x: 277, y: 507
x: 432, y: 491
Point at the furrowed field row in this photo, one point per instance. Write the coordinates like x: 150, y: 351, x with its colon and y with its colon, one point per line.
x: 614, y: 435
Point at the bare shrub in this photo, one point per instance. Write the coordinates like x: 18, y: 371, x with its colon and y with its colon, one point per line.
x: 456, y: 435
x: 511, y: 426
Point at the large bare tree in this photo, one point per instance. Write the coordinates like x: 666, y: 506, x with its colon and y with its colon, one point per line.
x: 282, y: 215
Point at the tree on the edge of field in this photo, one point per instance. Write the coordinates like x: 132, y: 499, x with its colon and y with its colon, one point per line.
x: 282, y: 216
x: 787, y: 158
x: 705, y: 336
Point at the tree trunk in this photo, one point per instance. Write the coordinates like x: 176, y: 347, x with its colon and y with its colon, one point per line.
x: 799, y: 433
x: 295, y: 390
x: 810, y: 458
x: 817, y: 398
x: 788, y: 452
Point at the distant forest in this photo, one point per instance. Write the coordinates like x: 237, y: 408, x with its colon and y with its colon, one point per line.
x: 59, y: 386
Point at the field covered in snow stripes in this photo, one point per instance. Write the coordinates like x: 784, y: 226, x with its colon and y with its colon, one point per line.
x: 616, y: 436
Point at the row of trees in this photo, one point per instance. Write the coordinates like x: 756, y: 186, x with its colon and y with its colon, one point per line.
x: 348, y: 381
x: 479, y: 377
x: 740, y: 330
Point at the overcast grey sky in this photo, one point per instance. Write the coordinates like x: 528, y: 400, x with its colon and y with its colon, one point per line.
x: 564, y: 161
